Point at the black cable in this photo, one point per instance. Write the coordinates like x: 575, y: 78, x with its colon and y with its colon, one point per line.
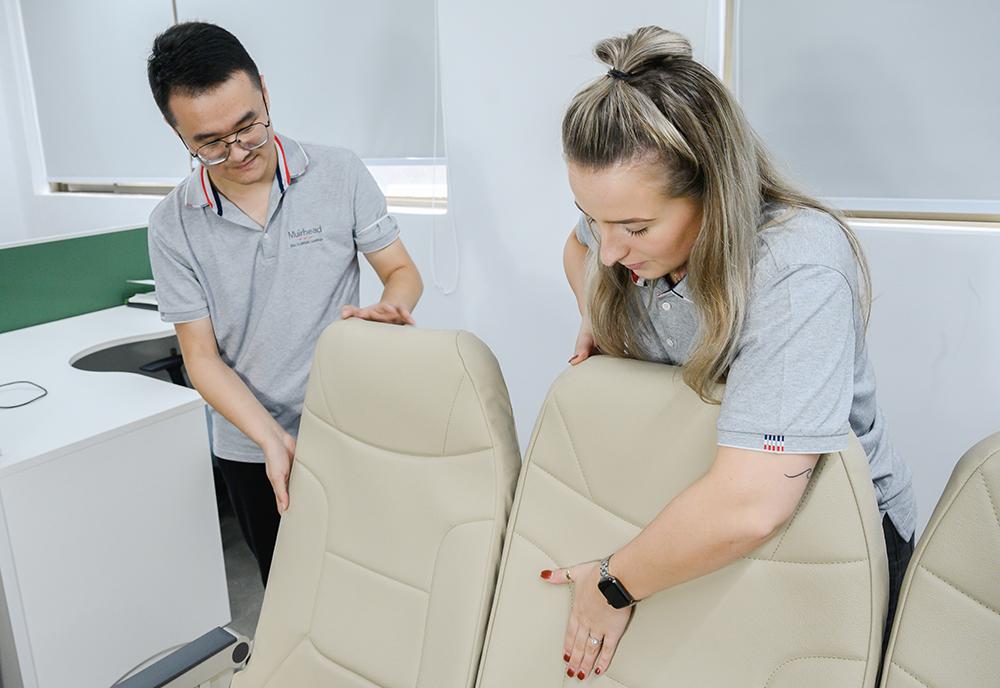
x: 24, y: 382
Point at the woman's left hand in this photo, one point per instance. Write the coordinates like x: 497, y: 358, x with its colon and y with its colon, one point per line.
x: 590, y: 618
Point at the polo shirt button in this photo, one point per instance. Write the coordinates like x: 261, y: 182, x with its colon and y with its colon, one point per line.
x: 665, y: 305
x: 669, y: 342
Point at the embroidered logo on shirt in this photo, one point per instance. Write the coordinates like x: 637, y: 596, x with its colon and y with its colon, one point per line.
x: 302, y: 237
x: 774, y: 443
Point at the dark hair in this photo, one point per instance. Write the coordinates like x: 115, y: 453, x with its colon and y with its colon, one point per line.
x: 195, y: 57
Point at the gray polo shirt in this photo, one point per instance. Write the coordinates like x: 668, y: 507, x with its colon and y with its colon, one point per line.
x: 270, y: 291
x: 801, y: 380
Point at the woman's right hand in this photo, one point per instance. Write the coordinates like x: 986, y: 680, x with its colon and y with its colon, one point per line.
x: 585, y: 345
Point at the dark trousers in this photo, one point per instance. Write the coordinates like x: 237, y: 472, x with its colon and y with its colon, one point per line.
x: 253, y: 501
x: 898, y: 552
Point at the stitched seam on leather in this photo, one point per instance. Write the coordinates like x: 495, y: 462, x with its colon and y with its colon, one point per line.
x: 803, y: 659
x: 909, y: 673
x: 635, y: 525
x: 427, y: 615
x: 608, y: 677
x: 958, y: 589
x: 499, y: 533
x: 378, y: 573
x: 451, y: 412
x: 539, y: 548
x: 326, y: 532
x: 302, y: 641
x: 312, y: 617
x: 345, y: 668
x: 585, y: 497
x: 821, y: 563
x: 548, y: 556
x: 989, y: 494
x: 515, y: 510
x: 569, y: 437
x: 322, y: 393
x: 798, y: 507
x: 872, y: 637
x: 388, y: 450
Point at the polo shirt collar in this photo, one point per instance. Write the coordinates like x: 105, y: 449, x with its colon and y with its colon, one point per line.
x: 663, y: 285
x: 292, y: 164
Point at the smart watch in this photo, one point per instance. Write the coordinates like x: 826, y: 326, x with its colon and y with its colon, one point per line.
x: 612, y: 589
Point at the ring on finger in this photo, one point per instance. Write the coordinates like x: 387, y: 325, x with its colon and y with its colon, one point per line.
x: 569, y: 577
x: 593, y: 641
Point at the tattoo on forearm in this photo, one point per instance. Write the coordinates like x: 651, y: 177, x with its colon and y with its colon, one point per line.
x: 807, y: 473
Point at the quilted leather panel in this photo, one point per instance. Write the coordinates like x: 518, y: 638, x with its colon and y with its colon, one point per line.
x: 404, y: 474
x: 817, y: 590
x: 947, y: 629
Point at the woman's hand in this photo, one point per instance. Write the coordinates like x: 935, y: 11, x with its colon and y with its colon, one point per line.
x: 585, y: 345
x: 590, y: 618
x: 379, y: 312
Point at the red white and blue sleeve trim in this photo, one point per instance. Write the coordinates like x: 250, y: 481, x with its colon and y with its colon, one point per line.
x: 774, y: 443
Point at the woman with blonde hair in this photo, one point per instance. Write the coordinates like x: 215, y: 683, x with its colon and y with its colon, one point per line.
x: 692, y: 251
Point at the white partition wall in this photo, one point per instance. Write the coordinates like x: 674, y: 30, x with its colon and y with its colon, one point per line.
x: 934, y: 340
x: 508, y: 71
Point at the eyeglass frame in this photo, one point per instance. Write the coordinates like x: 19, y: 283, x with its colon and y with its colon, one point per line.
x: 229, y: 144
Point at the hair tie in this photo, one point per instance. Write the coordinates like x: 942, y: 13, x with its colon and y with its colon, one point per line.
x: 618, y: 74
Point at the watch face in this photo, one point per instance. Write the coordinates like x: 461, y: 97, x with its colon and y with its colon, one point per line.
x: 615, y: 593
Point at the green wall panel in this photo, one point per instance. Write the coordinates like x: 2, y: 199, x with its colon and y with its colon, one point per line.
x: 58, y: 279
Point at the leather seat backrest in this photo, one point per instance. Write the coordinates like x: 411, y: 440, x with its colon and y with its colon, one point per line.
x: 385, y: 563
x: 947, y: 627
x: 615, y: 441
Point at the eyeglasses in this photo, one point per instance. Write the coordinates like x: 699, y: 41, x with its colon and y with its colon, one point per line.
x: 250, y: 137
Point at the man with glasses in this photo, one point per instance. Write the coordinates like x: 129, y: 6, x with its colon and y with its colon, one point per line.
x: 254, y: 254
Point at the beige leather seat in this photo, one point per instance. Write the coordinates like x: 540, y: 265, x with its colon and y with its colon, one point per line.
x: 615, y: 441
x: 947, y: 629
x: 385, y: 563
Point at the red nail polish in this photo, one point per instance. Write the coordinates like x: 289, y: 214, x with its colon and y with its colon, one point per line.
x: 565, y: 658
x: 597, y: 671
x: 546, y: 574
x: 569, y: 672
x: 580, y: 675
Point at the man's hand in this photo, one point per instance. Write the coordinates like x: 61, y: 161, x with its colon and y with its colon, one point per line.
x: 379, y: 312
x: 278, y: 455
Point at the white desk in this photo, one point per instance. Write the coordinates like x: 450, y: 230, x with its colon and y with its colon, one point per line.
x: 110, y: 549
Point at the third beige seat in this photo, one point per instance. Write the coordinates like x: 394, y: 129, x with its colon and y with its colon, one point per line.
x: 385, y: 562
x: 947, y: 631
x: 614, y: 442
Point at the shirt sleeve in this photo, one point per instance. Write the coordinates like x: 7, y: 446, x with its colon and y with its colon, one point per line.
x: 180, y: 297
x: 791, y: 385
x: 374, y: 227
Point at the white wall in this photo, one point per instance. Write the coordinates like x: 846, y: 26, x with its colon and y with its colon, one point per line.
x: 508, y: 71
x: 934, y: 340
x: 12, y: 225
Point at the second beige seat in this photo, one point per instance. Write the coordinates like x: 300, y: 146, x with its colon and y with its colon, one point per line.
x: 615, y: 441
x: 947, y: 630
